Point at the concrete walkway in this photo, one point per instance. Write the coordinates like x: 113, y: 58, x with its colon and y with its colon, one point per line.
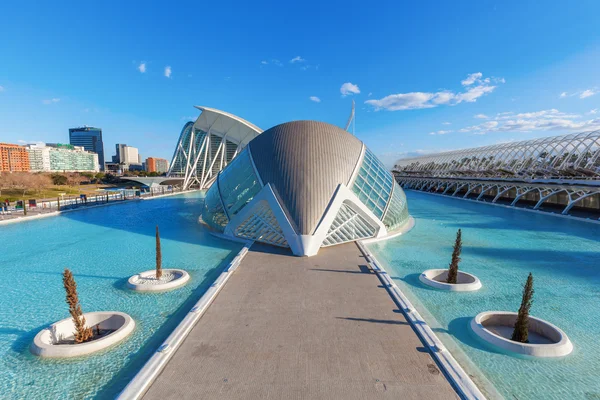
x: 286, y: 327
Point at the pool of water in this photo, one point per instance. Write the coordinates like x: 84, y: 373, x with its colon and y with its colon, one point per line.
x: 103, y: 247
x: 501, y: 246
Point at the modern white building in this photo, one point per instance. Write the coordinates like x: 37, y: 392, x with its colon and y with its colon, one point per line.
x: 57, y: 157
x: 127, y: 156
x: 305, y: 185
x: 207, y: 145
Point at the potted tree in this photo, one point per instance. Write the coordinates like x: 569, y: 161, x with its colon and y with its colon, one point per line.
x: 158, y: 279
x: 72, y: 337
x: 451, y: 279
x: 520, y: 333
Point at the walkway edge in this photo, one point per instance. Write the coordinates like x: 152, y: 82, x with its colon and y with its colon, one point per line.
x: 142, y: 381
x: 459, y: 379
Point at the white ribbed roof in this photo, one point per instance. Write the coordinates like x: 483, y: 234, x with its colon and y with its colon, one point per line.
x: 222, y: 123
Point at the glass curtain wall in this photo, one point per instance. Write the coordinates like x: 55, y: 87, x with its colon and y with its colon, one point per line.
x: 373, y: 185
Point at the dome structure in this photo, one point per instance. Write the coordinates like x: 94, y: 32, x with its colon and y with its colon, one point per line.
x: 305, y: 185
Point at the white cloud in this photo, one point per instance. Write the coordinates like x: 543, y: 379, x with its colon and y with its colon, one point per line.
x: 297, y: 59
x: 349, y: 88
x: 471, y: 78
x: 315, y: 99
x: 418, y: 100
x: 442, y: 132
x: 370, y: 94
x: 563, y: 94
x: 481, y: 116
x: 263, y: 62
x: 142, y: 67
x: 168, y: 71
x: 594, y: 111
x: 586, y: 93
x: 446, y: 123
x: 544, y: 120
x: 51, y: 101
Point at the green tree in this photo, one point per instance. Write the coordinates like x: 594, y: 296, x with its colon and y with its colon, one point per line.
x: 158, y: 256
x: 59, y: 179
x: 453, y: 268
x: 521, y: 332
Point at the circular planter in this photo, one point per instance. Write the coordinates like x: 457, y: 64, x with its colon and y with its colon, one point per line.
x: 57, y: 340
x: 436, y: 278
x: 146, y: 281
x: 545, y: 339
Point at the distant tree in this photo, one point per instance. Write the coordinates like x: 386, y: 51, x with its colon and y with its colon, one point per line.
x: 521, y: 332
x: 82, y: 333
x: 158, y: 256
x: 453, y: 268
x: 58, y: 179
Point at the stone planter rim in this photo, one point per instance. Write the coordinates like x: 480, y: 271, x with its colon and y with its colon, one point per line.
x: 471, y: 282
x: 561, y: 344
x: 182, y: 278
x: 43, y: 343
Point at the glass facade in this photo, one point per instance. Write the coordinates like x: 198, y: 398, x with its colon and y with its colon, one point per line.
x: 213, y: 213
x: 373, y: 185
x: 235, y: 187
x: 397, y: 212
x: 90, y: 139
x: 238, y: 184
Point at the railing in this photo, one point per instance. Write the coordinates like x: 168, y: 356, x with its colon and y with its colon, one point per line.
x: 73, y: 202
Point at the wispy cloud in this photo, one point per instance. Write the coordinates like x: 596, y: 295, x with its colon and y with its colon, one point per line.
x: 168, y: 71
x: 264, y: 62
x: 586, y: 93
x: 51, y: 101
x: 142, y: 67
x: 475, y: 86
x: 471, y: 79
x: 544, y: 120
x: 442, y: 132
x: 563, y: 94
x: 349, y: 88
x: 273, y: 61
x: 315, y: 99
x: 297, y: 59
x: 446, y: 123
x: 481, y: 116
x: 592, y: 112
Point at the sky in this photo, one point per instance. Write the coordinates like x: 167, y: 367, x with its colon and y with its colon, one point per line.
x: 426, y: 76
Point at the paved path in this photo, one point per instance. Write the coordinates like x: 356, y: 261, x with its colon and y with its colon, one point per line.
x: 286, y: 327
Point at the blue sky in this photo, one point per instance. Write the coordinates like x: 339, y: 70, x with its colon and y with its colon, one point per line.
x: 426, y: 76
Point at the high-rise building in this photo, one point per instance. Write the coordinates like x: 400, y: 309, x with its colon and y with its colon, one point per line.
x: 62, y: 157
x: 128, y: 157
x: 158, y: 165
x: 13, y: 158
x: 90, y: 139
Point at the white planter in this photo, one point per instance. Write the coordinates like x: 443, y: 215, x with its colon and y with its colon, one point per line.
x: 50, y: 341
x: 436, y: 278
x: 146, y: 281
x: 545, y: 339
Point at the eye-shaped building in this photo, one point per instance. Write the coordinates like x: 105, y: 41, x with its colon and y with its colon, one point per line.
x: 305, y: 185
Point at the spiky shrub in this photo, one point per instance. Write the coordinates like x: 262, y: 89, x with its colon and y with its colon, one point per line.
x: 521, y: 332
x: 453, y: 268
x: 158, y: 256
x: 82, y: 333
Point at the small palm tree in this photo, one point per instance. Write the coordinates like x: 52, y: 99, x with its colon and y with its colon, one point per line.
x: 521, y: 332
x: 82, y: 333
x: 158, y: 256
x: 453, y: 268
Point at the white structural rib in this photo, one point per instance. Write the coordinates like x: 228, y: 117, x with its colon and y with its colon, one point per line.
x: 206, y: 146
x: 351, y: 118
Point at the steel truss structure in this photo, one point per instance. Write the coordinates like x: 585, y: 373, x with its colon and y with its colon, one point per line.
x: 575, y: 156
x: 207, y: 145
x: 564, y: 195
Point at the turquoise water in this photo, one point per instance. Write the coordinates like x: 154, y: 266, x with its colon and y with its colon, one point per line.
x: 103, y: 247
x: 501, y: 246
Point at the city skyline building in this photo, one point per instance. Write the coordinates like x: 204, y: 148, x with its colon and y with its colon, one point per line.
x: 90, y: 139
x: 127, y: 156
x: 13, y: 158
x: 155, y: 164
x: 58, y: 157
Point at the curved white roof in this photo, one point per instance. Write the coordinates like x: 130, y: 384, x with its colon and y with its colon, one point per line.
x: 222, y: 123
